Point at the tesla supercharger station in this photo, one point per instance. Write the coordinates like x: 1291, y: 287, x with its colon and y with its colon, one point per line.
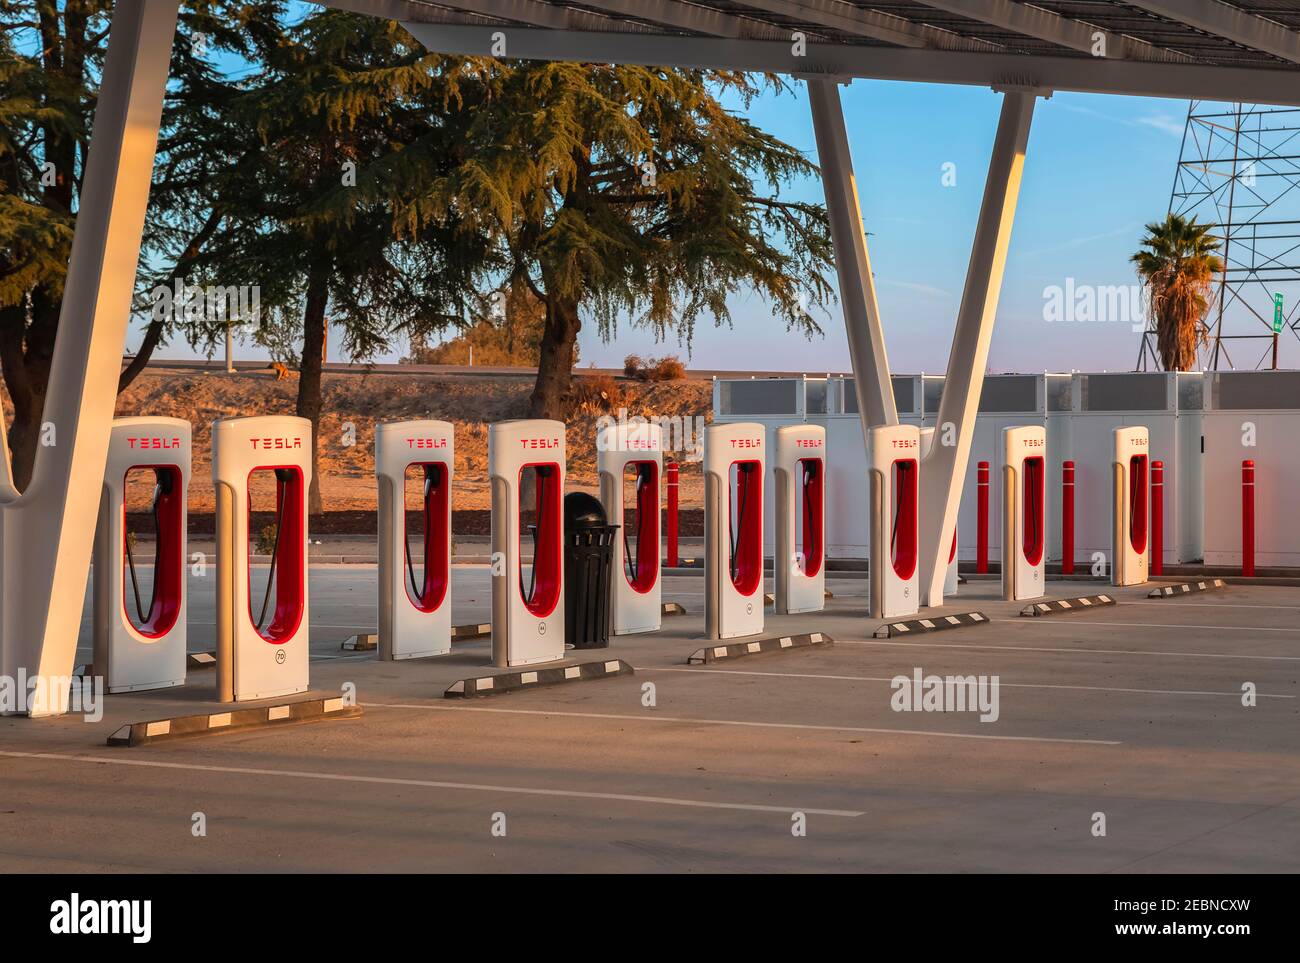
x: 1130, y: 538
x: 414, y: 607
x: 261, y: 633
x: 636, y: 589
x: 734, y: 463
x: 139, y: 645
x: 950, y: 579
x: 527, y: 610
x: 893, y: 460
x: 1024, y: 512
x: 800, y: 558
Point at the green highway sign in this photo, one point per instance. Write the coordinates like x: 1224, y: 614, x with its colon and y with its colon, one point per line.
x: 1277, y: 313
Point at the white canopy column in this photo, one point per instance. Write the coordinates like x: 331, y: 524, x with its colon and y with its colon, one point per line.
x: 46, y: 533
x: 944, y: 469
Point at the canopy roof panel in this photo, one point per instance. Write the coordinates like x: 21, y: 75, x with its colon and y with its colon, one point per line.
x: 1207, y: 49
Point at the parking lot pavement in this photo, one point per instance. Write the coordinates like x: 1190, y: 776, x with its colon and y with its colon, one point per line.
x: 1134, y: 712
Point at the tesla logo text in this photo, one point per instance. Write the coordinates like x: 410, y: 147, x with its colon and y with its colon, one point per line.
x: 276, y: 442
x: 643, y: 444
x: 807, y: 442
x: 747, y: 443
x: 426, y: 443
x: 153, y: 442
x: 539, y: 442
x: 1034, y: 443
x: 904, y: 443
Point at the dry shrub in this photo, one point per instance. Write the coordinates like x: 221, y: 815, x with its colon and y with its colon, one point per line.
x: 667, y: 368
x: 595, y: 393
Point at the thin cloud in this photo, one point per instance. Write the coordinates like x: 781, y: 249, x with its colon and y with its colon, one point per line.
x: 929, y: 289
x: 1171, y: 124
x: 1084, y: 241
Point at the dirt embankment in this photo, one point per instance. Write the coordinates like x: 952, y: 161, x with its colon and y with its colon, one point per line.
x: 353, y: 403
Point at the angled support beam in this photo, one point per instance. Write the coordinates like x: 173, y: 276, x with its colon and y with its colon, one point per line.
x: 47, y: 531
x: 1032, y: 21
x: 854, y: 20
x: 1230, y: 23
x: 692, y: 17
x: 944, y: 468
x: 857, y: 286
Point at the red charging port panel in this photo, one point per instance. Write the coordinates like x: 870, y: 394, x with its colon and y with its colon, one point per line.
x: 547, y: 575
x: 1137, y: 502
x: 433, y: 524
x: 746, y: 514
x: 903, y: 535
x: 169, y: 561
x: 291, y: 555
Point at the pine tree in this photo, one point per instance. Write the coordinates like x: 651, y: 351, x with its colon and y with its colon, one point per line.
x: 617, y: 191
x: 311, y: 220
x: 51, y: 57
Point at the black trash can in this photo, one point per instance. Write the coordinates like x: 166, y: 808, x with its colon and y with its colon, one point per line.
x: 588, y: 568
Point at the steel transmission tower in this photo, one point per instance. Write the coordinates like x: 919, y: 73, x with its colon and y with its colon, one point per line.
x: 1239, y: 169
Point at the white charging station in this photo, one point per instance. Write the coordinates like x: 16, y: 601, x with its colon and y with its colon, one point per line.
x: 1130, y: 534
x: 140, y: 646
x: 734, y: 464
x: 894, y: 459
x: 950, y: 579
x: 1024, y: 512
x: 636, y: 590
x: 262, y: 633
x: 527, y: 610
x: 414, y: 606
x: 799, y: 562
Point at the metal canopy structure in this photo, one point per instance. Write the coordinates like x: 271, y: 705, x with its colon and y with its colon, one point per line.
x: 1189, y: 49
x: 1239, y: 171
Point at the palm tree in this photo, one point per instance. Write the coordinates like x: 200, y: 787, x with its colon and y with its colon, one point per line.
x: 1177, y: 267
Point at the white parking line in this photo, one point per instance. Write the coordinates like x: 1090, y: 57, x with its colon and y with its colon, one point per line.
x: 1183, y: 603
x: 111, y: 760
x: 1152, y: 625
x: 1041, y: 648
x: 655, y: 717
x: 1008, y: 685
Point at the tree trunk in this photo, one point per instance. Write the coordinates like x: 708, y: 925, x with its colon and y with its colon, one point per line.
x: 555, y: 361
x: 309, y: 398
x: 26, y: 356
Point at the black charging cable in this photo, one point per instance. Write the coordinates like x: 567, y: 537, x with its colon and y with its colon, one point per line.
x: 432, y: 477
x: 543, y: 473
x: 282, y: 476
x: 810, y: 534
x: 633, y: 566
x: 162, y: 486
x: 1031, y: 477
x: 732, y: 537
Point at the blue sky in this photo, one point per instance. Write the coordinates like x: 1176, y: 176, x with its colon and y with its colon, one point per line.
x: 1097, y: 169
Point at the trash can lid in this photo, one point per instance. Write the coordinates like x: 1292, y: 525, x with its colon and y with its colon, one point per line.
x: 582, y: 510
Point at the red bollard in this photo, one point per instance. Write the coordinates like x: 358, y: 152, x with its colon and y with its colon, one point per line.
x: 1067, y: 518
x: 670, y: 528
x: 1157, y: 518
x: 1248, y: 517
x: 982, y: 523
